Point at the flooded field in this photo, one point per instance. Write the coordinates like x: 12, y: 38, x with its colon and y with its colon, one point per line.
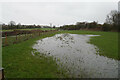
x: 78, y: 57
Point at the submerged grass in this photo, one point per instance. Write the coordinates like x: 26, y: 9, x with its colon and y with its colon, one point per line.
x: 107, y: 42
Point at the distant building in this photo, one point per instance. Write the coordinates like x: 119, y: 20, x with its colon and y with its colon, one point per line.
x: 45, y: 26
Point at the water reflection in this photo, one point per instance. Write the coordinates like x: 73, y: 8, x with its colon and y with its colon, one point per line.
x: 77, y: 56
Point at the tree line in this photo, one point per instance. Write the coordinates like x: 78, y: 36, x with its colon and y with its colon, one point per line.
x: 13, y: 25
x: 112, y: 23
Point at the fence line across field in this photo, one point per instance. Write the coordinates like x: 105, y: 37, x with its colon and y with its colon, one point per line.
x: 17, y: 36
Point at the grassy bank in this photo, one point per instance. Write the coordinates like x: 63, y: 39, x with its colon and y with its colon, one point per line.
x: 20, y: 63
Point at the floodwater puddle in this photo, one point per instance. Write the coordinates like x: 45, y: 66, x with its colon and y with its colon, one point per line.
x: 78, y: 57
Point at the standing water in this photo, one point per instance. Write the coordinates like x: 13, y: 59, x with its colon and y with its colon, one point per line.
x: 78, y: 56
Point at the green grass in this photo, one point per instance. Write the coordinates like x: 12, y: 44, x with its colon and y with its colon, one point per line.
x: 47, y: 28
x: 6, y: 30
x: 20, y: 63
x: 0, y: 56
x: 107, y: 42
x: 32, y: 29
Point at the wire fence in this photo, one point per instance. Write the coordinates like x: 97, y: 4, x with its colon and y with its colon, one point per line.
x: 18, y: 36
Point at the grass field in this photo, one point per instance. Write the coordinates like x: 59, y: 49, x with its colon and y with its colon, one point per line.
x: 20, y: 63
x: 33, y: 29
x: 107, y: 42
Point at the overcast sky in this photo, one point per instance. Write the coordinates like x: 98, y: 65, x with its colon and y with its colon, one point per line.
x: 57, y: 13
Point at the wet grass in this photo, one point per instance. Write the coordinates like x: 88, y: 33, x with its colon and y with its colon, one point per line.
x: 107, y: 42
x: 20, y: 63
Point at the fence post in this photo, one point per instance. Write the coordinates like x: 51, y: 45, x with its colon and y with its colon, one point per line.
x: 27, y: 36
x: 16, y: 36
x: 19, y: 37
x: 2, y: 74
x: 32, y: 34
x: 39, y: 33
x: 5, y: 38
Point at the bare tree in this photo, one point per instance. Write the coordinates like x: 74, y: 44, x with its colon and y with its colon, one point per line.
x: 112, y: 17
x: 12, y: 23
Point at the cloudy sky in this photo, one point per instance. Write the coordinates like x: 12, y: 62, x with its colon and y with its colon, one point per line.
x: 57, y: 13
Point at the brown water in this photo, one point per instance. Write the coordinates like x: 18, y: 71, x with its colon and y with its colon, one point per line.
x: 78, y: 56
